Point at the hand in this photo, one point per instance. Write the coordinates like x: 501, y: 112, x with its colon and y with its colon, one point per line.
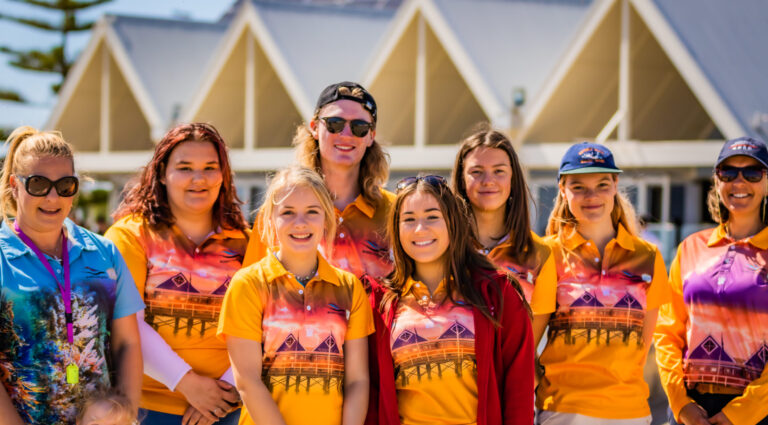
x: 193, y: 417
x: 211, y: 398
x: 693, y: 414
x: 720, y: 419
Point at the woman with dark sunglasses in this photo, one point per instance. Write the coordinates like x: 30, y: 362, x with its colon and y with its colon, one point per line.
x: 488, y: 176
x: 183, y: 236
x: 711, y: 340
x: 453, y: 341
x: 68, y: 303
x: 339, y: 143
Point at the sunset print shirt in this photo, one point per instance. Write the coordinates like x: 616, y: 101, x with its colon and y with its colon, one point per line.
x: 302, y: 330
x: 183, y: 286
x: 360, y: 247
x: 713, y: 336
x: 433, y: 348
x: 34, y: 351
x: 594, y: 357
x: 534, y: 270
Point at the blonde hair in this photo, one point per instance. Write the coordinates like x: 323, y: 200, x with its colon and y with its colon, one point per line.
x: 26, y: 143
x: 562, y: 218
x: 118, y: 408
x: 281, y: 186
x: 374, y: 167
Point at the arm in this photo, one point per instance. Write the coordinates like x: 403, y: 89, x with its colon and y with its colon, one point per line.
x: 355, y: 381
x: 161, y: 363
x: 245, y: 355
x: 8, y: 410
x: 517, y: 353
x: 752, y: 405
x: 126, y: 354
x: 670, y: 342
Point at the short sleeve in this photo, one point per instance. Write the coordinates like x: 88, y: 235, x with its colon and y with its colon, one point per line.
x: 132, y: 252
x: 360, y: 322
x: 127, y: 300
x: 658, y: 292
x: 243, y: 307
x: 544, y: 298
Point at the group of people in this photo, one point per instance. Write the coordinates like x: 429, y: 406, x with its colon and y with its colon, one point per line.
x: 349, y: 304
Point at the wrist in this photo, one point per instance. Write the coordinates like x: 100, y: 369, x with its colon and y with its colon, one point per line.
x: 186, y: 382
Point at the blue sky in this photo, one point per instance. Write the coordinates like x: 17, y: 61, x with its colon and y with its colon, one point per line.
x: 35, y: 87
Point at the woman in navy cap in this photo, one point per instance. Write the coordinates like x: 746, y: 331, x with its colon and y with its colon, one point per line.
x: 339, y: 142
x: 610, y: 284
x: 712, y: 339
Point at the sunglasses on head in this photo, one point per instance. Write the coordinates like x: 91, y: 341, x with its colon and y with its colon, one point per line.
x: 359, y: 128
x: 41, y: 185
x: 432, y: 180
x: 752, y: 174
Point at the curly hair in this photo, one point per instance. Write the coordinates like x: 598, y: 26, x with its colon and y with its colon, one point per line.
x: 147, y: 196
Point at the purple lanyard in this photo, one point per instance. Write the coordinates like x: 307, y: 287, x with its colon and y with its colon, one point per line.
x: 66, y: 289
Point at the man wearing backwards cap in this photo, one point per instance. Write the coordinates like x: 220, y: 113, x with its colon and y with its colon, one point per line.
x: 339, y: 143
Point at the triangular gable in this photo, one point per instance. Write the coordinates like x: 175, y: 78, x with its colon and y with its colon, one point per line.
x: 178, y: 282
x: 407, y: 337
x: 628, y: 301
x: 710, y: 349
x: 457, y: 331
x: 759, y: 359
x: 328, y: 345
x: 587, y: 300
x: 581, y: 97
x: 222, y: 290
x: 279, y: 103
x: 456, y: 97
x: 130, y: 119
x: 290, y: 344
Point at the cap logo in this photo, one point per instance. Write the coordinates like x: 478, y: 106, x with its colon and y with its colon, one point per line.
x: 591, y: 155
x: 743, y: 146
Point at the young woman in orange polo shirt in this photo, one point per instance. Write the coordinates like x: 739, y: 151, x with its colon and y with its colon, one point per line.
x: 295, y: 326
x: 453, y: 340
x: 488, y: 176
x: 610, y: 284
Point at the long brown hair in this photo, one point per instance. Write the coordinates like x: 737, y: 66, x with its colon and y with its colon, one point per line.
x: 374, y: 167
x: 518, y: 219
x: 23, y: 144
x: 463, y: 261
x: 562, y: 218
x: 719, y: 212
x: 147, y: 196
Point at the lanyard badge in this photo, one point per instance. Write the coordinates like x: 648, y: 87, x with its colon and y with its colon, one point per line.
x: 72, y: 371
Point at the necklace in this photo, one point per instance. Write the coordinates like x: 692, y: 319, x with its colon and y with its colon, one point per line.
x: 306, y: 278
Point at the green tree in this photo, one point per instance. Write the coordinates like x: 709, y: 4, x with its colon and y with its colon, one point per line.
x: 53, y: 59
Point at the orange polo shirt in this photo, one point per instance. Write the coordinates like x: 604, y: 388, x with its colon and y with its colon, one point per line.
x: 713, y: 336
x: 183, y: 286
x: 433, y: 348
x: 360, y: 247
x: 302, y: 330
x: 594, y: 357
x: 535, y: 270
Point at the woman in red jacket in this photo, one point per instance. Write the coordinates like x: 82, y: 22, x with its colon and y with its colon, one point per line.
x: 453, y: 342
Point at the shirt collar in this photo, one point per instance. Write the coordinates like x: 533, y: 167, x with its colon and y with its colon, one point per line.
x: 408, y: 286
x: 14, y: 247
x: 572, y: 239
x: 719, y: 235
x: 274, y: 269
x: 363, y: 206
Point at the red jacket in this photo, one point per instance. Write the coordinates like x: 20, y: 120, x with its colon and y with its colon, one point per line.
x: 504, y: 355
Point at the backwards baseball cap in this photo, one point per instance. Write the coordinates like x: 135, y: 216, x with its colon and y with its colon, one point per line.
x: 332, y: 93
x: 584, y: 158
x: 744, y: 146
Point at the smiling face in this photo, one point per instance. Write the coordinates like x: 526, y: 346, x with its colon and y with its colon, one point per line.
x: 42, y: 214
x: 299, y: 222
x: 423, y: 229
x: 342, y: 149
x: 740, y: 196
x: 590, y: 197
x: 488, y: 178
x: 193, y: 178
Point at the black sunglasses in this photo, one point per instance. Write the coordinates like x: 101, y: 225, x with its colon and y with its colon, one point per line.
x: 359, y: 128
x: 752, y: 174
x: 432, y: 180
x: 41, y: 185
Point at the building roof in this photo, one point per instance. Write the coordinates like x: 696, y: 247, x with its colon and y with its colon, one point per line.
x: 710, y: 349
x: 169, y: 57
x: 727, y: 41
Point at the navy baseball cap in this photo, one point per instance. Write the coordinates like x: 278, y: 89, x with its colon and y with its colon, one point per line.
x: 585, y: 158
x: 331, y: 94
x: 744, y: 146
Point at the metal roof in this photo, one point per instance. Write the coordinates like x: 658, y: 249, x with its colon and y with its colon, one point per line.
x: 514, y: 44
x: 728, y: 40
x: 169, y: 57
